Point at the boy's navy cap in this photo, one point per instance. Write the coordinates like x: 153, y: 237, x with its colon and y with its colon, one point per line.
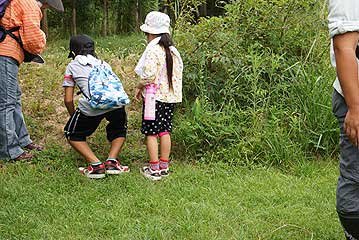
x: 79, y: 44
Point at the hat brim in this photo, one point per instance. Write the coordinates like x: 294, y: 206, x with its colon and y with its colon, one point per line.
x: 147, y: 29
x: 56, y: 4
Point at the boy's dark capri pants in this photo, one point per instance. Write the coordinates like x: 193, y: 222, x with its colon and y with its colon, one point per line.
x: 348, y: 182
x: 163, y: 120
x: 81, y: 126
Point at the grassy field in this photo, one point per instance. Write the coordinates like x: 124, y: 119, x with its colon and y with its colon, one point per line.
x: 49, y: 199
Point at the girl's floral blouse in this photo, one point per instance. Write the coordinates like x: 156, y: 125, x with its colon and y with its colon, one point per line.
x: 155, y: 71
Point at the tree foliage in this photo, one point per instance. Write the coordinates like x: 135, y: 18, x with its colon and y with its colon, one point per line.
x: 107, y: 17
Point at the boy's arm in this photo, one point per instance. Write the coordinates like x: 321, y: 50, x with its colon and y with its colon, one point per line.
x: 69, y: 100
x: 347, y: 71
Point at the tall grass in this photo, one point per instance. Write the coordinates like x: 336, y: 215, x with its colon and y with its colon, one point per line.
x: 258, y: 84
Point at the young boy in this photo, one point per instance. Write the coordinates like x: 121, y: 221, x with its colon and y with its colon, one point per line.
x: 84, y: 120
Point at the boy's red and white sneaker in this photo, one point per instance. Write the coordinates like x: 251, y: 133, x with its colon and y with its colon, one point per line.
x: 93, y: 172
x: 151, y: 174
x: 114, y: 167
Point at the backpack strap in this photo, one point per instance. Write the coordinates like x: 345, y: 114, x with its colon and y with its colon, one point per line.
x: 3, y: 5
x: 10, y: 32
x: 81, y: 92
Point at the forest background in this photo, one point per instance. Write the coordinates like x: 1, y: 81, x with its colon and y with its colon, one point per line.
x: 255, y: 130
x: 250, y: 65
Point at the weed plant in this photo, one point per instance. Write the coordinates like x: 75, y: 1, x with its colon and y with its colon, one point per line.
x: 258, y: 84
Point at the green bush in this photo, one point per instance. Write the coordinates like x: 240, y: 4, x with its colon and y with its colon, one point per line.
x: 257, y: 84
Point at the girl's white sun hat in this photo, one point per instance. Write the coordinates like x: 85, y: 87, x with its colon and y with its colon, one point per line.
x: 156, y: 23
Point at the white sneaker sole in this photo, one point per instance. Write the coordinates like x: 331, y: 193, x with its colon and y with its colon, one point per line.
x: 95, y: 176
x: 92, y: 176
x: 153, y: 178
x: 116, y: 172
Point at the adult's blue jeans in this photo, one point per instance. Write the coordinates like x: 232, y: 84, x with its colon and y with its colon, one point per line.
x: 13, y: 131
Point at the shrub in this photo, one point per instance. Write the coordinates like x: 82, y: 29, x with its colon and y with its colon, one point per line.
x: 257, y: 84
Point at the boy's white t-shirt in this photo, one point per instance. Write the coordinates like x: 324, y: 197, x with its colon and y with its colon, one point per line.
x: 77, y: 72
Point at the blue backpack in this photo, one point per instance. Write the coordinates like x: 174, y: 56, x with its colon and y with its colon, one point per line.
x: 105, y: 89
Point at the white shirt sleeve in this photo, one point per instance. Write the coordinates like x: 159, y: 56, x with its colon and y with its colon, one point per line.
x: 343, y: 16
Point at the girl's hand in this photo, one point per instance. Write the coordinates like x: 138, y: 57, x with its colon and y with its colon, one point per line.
x: 138, y: 94
x: 138, y: 91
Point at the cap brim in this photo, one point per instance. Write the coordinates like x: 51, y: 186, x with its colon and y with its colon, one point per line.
x: 56, y: 4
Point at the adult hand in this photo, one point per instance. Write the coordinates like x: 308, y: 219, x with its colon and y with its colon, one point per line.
x: 351, y: 125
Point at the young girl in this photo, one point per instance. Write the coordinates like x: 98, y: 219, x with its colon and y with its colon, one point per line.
x: 160, y: 64
x: 84, y: 120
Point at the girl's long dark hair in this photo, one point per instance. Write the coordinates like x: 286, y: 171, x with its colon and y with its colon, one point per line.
x: 166, y: 42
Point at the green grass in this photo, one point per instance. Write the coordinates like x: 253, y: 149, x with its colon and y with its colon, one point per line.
x: 49, y: 199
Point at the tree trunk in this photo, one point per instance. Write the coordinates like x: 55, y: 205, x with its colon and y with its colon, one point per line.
x: 105, y: 18
x: 164, y: 6
x: 73, y: 23
x: 45, y: 26
x: 137, y: 16
x: 118, y: 24
x: 203, y: 10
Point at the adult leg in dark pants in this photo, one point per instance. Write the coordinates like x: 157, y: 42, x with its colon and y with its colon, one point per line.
x: 347, y: 196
